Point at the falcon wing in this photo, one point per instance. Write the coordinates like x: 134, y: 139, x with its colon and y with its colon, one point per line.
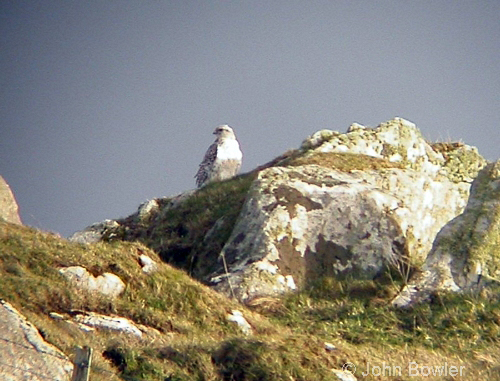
x: 205, y: 166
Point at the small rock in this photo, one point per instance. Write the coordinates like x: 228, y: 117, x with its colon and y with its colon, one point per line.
x: 106, y: 284
x: 355, y: 127
x: 118, y: 324
x: 147, y: 208
x: 148, y: 265
x: 318, y: 138
x: 343, y: 375
x: 237, y: 317
x: 330, y: 347
x: 94, y: 232
x: 56, y: 316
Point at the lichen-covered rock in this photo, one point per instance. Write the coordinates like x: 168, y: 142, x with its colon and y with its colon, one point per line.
x: 9, y: 210
x: 347, y: 204
x: 312, y: 218
x: 299, y: 223
x: 399, y: 140
x: 466, y: 252
x: 24, y: 354
x: 107, y: 284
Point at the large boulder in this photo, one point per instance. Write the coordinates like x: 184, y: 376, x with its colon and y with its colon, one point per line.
x: 24, y: 354
x: 9, y: 210
x: 314, y: 217
x: 466, y: 252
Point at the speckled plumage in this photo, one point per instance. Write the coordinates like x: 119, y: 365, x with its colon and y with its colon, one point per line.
x: 222, y: 159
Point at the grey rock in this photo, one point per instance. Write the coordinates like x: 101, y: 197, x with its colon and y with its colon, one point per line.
x: 25, y: 354
x: 9, y: 209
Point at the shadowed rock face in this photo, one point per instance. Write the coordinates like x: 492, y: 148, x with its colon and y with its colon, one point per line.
x: 30, y: 356
x: 9, y: 210
x: 466, y: 252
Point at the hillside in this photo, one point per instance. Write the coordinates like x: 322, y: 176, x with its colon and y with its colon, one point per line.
x: 195, y: 341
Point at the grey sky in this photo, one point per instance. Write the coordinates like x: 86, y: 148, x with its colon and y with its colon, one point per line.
x: 105, y: 104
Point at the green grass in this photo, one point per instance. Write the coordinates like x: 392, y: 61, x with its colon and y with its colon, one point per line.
x: 358, y: 312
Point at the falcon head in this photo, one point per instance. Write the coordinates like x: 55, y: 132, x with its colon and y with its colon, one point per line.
x: 224, y: 131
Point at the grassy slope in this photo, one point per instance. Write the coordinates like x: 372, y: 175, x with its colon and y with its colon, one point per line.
x: 197, y: 342
x: 178, y: 234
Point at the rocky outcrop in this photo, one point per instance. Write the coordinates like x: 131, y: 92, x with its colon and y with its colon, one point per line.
x: 466, y: 252
x: 24, y: 354
x: 400, y: 141
x: 106, y: 284
x: 348, y: 204
x: 314, y: 217
x: 9, y: 210
x: 146, y: 212
x: 94, y: 232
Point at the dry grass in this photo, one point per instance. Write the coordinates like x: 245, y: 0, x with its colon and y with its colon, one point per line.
x: 345, y: 162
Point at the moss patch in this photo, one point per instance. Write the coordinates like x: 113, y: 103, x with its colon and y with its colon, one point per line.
x: 462, y: 163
